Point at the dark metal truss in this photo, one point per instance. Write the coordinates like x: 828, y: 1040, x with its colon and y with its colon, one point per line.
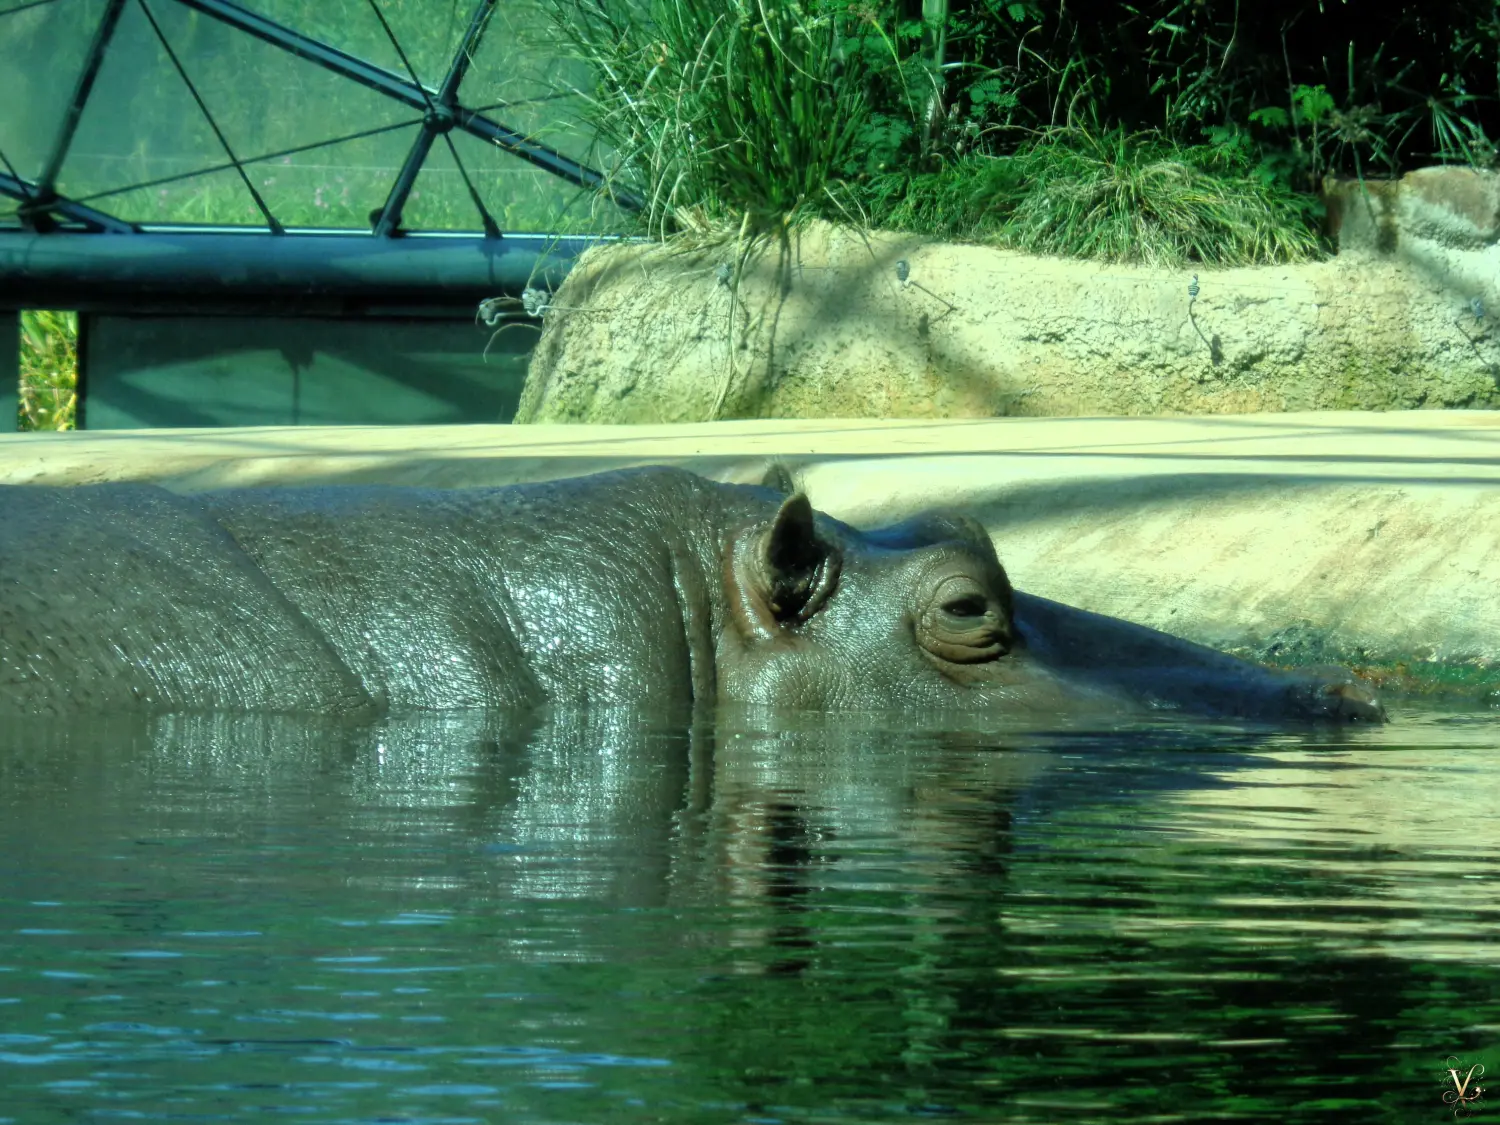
x: 42, y: 208
x: 65, y: 210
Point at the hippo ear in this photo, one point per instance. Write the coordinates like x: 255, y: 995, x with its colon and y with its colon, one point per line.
x: 781, y: 574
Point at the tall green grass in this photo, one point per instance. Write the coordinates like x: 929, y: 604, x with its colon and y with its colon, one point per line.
x: 1111, y: 196
x: 1169, y: 131
x: 762, y: 112
x: 718, y: 111
x: 49, y: 370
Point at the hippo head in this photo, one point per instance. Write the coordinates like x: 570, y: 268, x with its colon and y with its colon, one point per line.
x: 922, y: 615
x: 822, y: 616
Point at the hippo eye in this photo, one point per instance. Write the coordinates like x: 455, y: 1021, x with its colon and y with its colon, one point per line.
x: 970, y: 605
x: 963, y: 624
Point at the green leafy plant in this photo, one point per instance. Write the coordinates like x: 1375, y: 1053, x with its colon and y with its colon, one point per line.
x: 1113, y: 196
x: 49, y: 370
x: 1454, y: 137
x: 1119, y: 196
x: 1333, y: 133
x: 717, y: 111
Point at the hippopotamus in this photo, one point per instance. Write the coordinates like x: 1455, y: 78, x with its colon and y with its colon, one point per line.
x: 650, y: 586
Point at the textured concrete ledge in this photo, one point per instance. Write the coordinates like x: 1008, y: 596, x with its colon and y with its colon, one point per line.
x: 825, y: 328
x: 1366, y: 538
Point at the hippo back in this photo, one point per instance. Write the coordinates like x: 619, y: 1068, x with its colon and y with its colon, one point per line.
x: 575, y: 591
x: 126, y: 596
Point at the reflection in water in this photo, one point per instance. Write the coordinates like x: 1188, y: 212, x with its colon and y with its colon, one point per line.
x: 608, y: 915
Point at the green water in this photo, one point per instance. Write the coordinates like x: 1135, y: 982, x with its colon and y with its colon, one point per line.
x: 605, y: 919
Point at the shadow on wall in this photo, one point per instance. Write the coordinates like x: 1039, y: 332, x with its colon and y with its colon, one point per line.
x: 259, y: 371
x: 825, y: 325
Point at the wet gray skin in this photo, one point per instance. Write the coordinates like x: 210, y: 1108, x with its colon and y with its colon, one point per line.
x: 651, y: 586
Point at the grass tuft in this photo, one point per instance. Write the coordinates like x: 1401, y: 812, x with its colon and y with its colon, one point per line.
x: 721, y: 113
x: 1137, y: 198
x: 757, y: 115
x: 49, y: 370
x: 1111, y: 196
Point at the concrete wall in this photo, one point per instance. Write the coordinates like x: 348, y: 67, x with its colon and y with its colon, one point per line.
x: 823, y: 327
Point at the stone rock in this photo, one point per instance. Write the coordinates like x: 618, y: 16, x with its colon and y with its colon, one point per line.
x: 1440, y: 224
x: 1451, y: 206
x: 821, y: 326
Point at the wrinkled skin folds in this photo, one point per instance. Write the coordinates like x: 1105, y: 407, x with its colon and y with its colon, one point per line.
x: 649, y: 586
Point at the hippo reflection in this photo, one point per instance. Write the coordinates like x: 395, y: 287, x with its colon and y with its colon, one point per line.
x: 649, y: 586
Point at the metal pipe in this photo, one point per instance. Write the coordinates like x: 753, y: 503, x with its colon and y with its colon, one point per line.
x: 10, y: 370
x: 439, y: 119
x: 18, y: 188
x: 408, y: 93
x: 388, y: 218
x: 47, y: 181
x: 193, y: 270
x: 467, y: 49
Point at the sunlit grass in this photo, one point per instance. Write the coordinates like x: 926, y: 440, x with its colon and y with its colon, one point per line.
x: 755, y: 113
x: 1123, y: 197
x: 1111, y: 197
x: 49, y: 370
x: 722, y: 112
